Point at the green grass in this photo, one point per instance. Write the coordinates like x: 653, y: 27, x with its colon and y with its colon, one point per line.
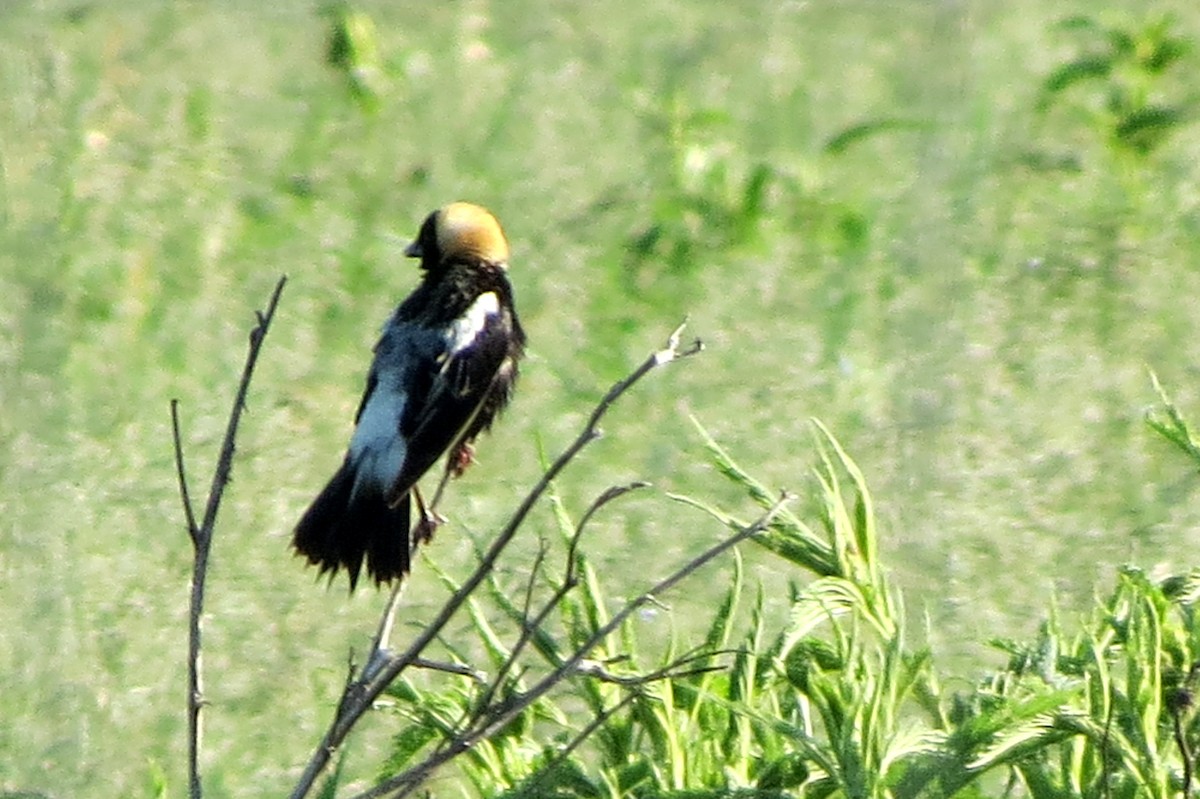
x: 967, y: 289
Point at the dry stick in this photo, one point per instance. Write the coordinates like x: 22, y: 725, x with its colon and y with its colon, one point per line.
x: 673, y: 670
x: 1182, y: 703
x: 530, y: 788
x: 359, y: 697
x: 667, y: 672
x: 407, y: 781
x: 188, y: 514
x: 530, y: 625
x: 535, y: 571
x: 201, y: 535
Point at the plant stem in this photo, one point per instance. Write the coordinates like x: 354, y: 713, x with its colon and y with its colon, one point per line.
x: 201, y: 535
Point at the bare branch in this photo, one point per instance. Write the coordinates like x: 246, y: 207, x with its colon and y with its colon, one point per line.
x: 363, y: 694
x: 177, y: 439
x: 461, y: 669
x: 503, y: 713
x: 225, y: 461
x: 570, y: 581
x: 595, y: 724
x: 539, y: 560
x: 202, y: 535
x: 670, y: 671
x: 611, y: 493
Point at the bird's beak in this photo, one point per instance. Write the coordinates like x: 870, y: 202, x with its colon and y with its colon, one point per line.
x: 414, y: 250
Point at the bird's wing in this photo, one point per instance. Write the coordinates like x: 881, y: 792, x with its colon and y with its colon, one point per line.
x: 372, y: 382
x: 446, y: 392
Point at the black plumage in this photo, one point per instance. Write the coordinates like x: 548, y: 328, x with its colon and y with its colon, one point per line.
x: 444, y: 368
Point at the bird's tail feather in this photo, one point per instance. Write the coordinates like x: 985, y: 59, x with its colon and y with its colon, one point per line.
x: 342, y: 528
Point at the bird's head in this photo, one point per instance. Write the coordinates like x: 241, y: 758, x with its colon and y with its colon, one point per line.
x: 459, y: 232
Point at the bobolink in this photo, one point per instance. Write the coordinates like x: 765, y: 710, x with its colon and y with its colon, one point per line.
x: 444, y: 368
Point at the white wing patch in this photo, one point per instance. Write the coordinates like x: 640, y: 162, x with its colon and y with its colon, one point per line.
x: 465, y: 329
x: 377, y: 446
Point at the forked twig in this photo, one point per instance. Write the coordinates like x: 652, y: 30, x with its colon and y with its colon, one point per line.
x: 502, y: 713
x: 386, y: 666
x: 201, y: 534
x: 531, y: 624
x: 176, y: 437
x: 530, y: 789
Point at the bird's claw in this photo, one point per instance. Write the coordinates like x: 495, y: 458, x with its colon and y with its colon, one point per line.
x: 461, y: 458
x: 427, y: 525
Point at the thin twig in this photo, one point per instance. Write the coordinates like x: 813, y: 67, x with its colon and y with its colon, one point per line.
x: 529, y: 625
x: 561, y: 756
x: 407, y: 781
x: 225, y: 461
x: 461, y: 669
x: 535, y: 571
x: 363, y: 694
x: 610, y: 493
x: 666, y: 672
x: 672, y: 670
x: 1183, y: 702
x: 189, y: 514
x: 202, y: 535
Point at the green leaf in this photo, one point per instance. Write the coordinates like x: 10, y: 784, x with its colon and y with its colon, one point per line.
x: 1174, y: 428
x: 1144, y: 129
x: 822, y: 601
x: 754, y: 193
x: 787, y: 537
x: 844, y: 139
x: 406, y: 744
x: 353, y: 50
x: 717, y: 636
x: 1078, y: 22
x: 1164, y: 53
x: 1183, y: 589
x: 789, y: 771
x: 1088, y: 67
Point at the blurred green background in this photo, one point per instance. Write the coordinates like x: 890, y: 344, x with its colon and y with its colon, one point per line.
x: 960, y: 233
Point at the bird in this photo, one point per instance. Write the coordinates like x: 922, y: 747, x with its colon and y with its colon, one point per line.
x: 444, y: 368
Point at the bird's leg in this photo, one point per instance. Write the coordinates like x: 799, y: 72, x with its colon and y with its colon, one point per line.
x: 441, y: 489
x: 460, y: 458
x: 429, y: 520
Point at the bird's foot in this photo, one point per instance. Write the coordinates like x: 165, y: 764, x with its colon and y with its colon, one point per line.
x: 427, y: 525
x: 461, y: 458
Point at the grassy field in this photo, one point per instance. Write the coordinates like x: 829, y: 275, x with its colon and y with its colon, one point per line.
x: 969, y: 293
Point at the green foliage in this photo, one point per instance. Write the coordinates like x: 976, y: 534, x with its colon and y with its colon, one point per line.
x: 708, y: 194
x: 834, y: 702
x: 711, y: 197
x: 1169, y: 423
x: 353, y: 50
x: 1129, y: 68
x: 974, y: 332
x: 1117, y: 686
x: 861, y: 131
